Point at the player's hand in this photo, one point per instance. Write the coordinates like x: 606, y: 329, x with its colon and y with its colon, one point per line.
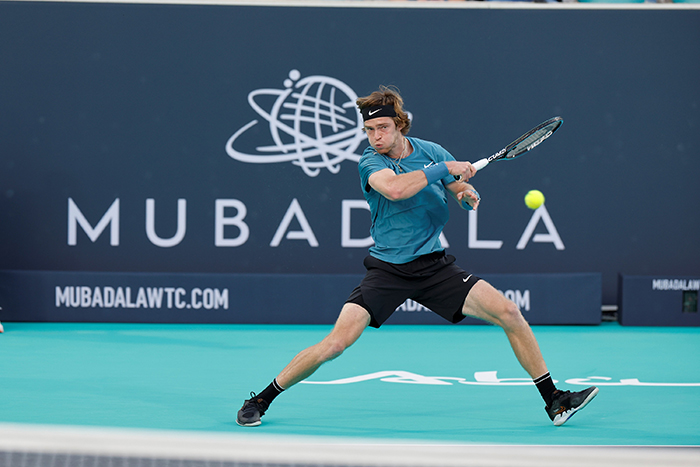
x: 469, y: 196
x: 462, y: 171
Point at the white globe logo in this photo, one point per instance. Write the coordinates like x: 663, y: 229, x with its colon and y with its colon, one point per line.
x: 314, y: 123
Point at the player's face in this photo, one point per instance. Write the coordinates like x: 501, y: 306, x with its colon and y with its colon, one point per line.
x: 383, y: 135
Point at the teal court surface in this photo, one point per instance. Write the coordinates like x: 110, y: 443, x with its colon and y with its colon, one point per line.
x: 397, y: 386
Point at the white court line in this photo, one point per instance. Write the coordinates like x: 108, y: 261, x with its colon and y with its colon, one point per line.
x: 467, y: 5
x: 209, y: 446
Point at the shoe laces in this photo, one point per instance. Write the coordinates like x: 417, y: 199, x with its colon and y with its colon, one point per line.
x: 257, y: 402
x: 558, y: 400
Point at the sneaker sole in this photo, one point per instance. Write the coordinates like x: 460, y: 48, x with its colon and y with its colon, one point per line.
x: 248, y: 424
x: 570, y: 413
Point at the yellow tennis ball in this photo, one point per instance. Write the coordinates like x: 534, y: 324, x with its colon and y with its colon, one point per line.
x: 534, y: 199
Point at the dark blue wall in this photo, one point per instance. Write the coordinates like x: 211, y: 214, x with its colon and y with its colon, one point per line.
x: 103, y: 102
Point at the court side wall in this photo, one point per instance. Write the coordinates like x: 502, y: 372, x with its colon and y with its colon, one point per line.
x: 214, y: 139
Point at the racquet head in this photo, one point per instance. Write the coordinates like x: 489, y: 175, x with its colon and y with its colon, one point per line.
x: 531, y: 139
x: 521, y: 145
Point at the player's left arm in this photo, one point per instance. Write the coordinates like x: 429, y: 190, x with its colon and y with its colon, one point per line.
x: 465, y: 194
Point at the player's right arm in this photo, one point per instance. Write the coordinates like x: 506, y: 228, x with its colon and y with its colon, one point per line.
x: 398, y: 187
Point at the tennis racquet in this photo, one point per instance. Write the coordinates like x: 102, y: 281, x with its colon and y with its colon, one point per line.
x: 523, y: 144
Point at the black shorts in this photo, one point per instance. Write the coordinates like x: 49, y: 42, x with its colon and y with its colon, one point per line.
x: 432, y: 280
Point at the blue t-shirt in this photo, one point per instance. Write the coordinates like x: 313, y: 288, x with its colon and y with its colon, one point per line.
x: 404, y: 230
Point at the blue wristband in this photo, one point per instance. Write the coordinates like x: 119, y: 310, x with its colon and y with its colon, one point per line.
x: 436, y: 172
x: 466, y: 205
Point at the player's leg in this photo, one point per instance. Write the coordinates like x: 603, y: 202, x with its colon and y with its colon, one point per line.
x: 348, y: 328
x: 487, y: 303
x: 350, y: 325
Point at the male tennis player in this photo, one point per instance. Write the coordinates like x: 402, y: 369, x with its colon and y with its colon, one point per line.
x: 406, y: 182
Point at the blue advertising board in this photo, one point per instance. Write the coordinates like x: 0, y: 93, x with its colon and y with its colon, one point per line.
x: 224, y: 139
x: 664, y: 300
x: 260, y: 298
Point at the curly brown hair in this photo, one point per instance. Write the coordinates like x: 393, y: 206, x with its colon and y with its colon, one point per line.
x: 388, y: 96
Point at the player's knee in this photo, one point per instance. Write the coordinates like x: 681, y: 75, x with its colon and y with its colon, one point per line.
x: 334, y: 348
x: 510, y: 316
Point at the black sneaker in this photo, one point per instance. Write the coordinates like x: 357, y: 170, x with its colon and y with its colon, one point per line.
x: 252, y: 410
x: 566, y: 403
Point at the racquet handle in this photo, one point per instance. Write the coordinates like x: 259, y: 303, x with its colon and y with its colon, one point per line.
x: 480, y: 164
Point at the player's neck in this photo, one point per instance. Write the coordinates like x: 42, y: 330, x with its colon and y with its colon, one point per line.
x: 401, y: 150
